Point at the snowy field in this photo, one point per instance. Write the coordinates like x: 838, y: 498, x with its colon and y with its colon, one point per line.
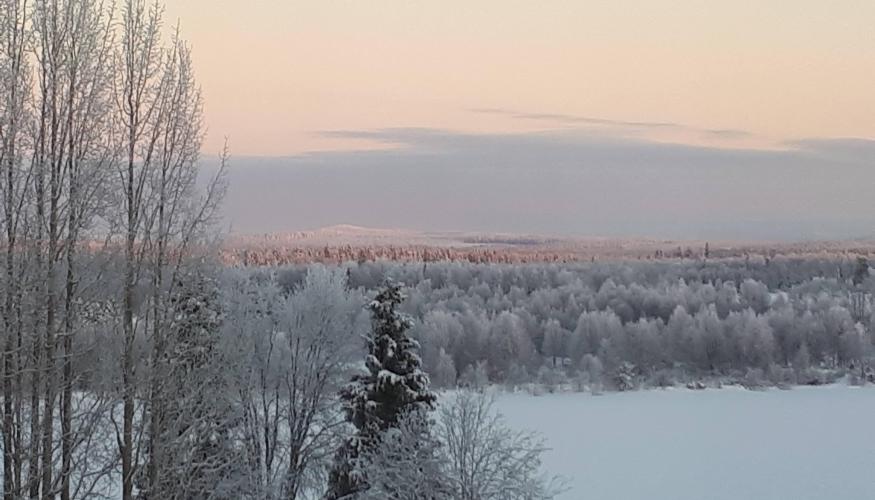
x: 730, y: 444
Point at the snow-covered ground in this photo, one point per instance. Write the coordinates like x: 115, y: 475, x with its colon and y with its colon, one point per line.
x: 730, y: 444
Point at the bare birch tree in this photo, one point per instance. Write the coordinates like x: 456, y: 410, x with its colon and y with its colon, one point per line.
x: 137, y: 96
x: 96, y: 118
x: 15, y: 86
x: 72, y: 42
x: 296, y: 352
x: 485, y: 458
x: 165, y: 222
x: 90, y: 154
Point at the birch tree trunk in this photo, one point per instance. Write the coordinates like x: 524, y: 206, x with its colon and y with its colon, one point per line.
x: 137, y: 91
x: 14, y: 86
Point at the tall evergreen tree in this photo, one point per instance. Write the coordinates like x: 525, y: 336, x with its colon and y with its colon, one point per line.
x: 393, y: 386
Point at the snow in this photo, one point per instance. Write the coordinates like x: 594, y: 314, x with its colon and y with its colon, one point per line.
x: 728, y: 444
x: 386, y: 377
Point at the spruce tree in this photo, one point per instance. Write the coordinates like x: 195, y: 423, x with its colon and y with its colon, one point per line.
x: 392, y: 386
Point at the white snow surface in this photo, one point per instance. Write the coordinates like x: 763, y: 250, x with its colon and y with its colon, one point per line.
x: 809, y: 443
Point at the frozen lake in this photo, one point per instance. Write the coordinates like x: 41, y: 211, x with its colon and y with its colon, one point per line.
x: 731, y: 444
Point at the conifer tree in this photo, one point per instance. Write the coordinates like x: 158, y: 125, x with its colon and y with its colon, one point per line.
x: 393, y: 386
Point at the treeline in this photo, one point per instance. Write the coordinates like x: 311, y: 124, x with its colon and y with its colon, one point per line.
x: 283, y: 249
x: 274, y: 255
x: 621, y: 325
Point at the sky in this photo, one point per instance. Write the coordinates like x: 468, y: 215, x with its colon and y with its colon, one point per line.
x: 746, y: 118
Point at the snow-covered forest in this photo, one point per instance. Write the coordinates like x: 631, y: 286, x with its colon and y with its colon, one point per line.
x: 273, y: 347
x: 619, y: 326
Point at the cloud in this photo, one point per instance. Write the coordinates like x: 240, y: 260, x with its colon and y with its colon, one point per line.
x: 562, y: 182
x: 567, y: 119
x: 851, y: 150
x: 572, y: 119
x: 728, y: 133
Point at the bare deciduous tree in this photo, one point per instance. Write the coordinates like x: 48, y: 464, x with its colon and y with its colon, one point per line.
x: 486, y: 459
x: 407, y: 463
x: 14, y: 93
x: 137, y: 97
x: 97, y: 118
x: 298, y: 351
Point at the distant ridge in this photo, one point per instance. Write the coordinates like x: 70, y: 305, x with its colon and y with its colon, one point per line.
x: 345, y: 242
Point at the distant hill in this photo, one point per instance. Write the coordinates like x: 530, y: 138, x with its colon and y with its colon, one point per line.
x: 342, y: 243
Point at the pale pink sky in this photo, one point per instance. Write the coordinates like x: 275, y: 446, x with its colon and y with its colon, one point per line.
x: 276, y: 73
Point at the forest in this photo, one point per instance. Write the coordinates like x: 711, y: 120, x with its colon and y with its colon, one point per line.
x: 623, y: 325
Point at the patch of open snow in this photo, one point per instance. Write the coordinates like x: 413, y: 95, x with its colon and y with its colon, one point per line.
x: 810, y: 443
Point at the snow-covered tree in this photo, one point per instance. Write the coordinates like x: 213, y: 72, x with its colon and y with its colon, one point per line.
x: 861, y: 270
x: 592, y: 367
x: 406, y: 462
x: 556, y: 340
x: 191, y: 447
x: 293, y: 351
x: 445, y: 372
x: 315, y: 348
x: 486, y: 459
x: 475, y: 376
x: 375, y: 401
x: 624, y: 377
